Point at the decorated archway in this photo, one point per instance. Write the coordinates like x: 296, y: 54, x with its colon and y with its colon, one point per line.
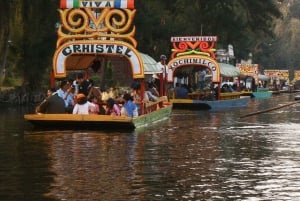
x: 193, y: 51
x: 94, y: 48
x: 91, y: 29
x: 194, y: 60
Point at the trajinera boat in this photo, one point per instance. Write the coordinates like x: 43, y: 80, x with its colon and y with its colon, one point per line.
x: 256, y: 84
x: 191, y: 58
x: 92, y: 37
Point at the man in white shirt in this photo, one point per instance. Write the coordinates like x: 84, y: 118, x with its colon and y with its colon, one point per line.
x: 62, y: 91
x: 163, y: 68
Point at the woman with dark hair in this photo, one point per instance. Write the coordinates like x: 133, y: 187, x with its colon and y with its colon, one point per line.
x: 112, y: 108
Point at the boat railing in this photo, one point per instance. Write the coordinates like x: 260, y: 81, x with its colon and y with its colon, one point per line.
x: 261, y: 89
x: 154, y: 105
x: 230, y: 95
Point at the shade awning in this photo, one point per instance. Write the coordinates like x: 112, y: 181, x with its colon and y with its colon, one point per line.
x: 228, y: 70
x: 150, y: 65
x: 263, y: 77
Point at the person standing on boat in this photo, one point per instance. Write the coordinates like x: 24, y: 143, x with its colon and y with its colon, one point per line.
x: 201, y: 78
x: 93, y: 91
x: 83, y: 85
x: 162, y: 66
x: 53, y: 104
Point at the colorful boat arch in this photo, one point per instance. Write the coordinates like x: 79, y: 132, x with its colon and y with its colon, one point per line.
x: 92, y: 29
x: 94, y: 48
x: 250, y: 70
x: 194, y: 51
x: 194, y: 60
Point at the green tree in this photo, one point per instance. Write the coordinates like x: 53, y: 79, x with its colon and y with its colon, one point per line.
x: 295, y: 10
x: 5, y: 7
x: 37, y: 44
x: 239, y: 22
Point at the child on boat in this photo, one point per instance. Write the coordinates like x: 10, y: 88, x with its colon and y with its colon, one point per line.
x: 112, y: 108
x: 83, y: 106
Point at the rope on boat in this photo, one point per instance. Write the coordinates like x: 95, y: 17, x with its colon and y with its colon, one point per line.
x: 270, y: 109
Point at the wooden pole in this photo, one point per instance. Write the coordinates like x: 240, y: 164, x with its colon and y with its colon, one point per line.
x: 270, y: 109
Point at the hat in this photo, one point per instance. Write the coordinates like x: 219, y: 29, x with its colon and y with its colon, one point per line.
x: 79, y: 96
x: 163, y: 57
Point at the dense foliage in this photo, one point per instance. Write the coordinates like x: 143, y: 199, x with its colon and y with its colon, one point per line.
x: 268, y: 29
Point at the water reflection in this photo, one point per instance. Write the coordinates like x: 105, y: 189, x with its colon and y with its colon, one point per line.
x: 89, y: 165
x: 266, y: 166
x: 192, y: 156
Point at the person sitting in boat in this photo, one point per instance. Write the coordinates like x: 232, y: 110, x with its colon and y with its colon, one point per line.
x: 129, y: 108
x: 135, y: 94
x: 151, y: 93
x: 154, y: 94
x: 112, y: 93
x: 225, y: 88
x: 64, y: 93
x: 97, y: 106
x: 69, y: 97
x: 63, y: 87
x: 112, y: 108
x: 53, y: 104
x: 104, y: 95
x: 156, y: 81
x: 180, y: 91
x: 83, y: 106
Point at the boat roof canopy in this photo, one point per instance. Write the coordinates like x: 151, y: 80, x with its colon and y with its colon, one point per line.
x: 150, y: 65
x: 263, y: 77
x: 141, y: 63
x: 96, y: 30
x: 228, y: 70
x: 80, y: 62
